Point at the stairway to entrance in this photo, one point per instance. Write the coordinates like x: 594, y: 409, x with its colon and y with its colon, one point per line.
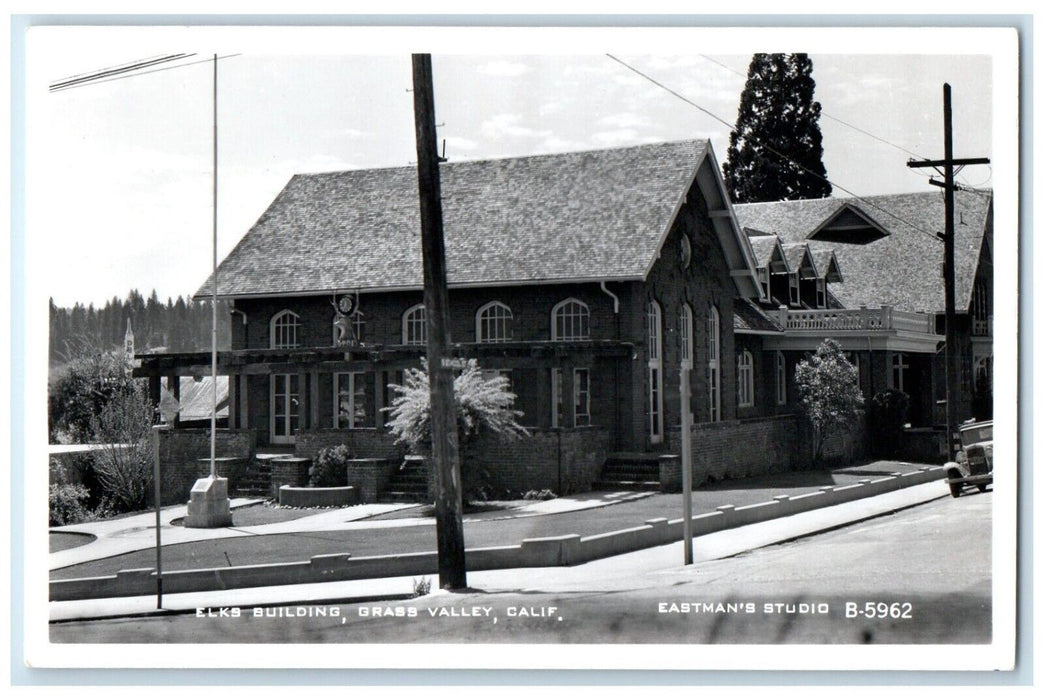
x: 408, y: 484
x: 630, y: 471
x: 256, y: 478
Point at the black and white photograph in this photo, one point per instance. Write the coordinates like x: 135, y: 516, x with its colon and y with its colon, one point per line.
x: 618, y: 348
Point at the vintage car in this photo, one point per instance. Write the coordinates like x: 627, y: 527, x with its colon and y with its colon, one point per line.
x: 974, y: 465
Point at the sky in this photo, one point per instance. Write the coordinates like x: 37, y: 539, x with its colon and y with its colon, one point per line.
x: 120, y: 173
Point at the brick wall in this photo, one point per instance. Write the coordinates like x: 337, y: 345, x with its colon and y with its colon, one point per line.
x: 740, y: 448
x: 185, y: 453
x: 563, y: 461
x: 363, y: 442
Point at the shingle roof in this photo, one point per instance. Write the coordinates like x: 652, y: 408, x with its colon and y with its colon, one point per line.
x: 748, y: 317
x: 763, y: 247
x: 902, y: 269
x: 589, y: 215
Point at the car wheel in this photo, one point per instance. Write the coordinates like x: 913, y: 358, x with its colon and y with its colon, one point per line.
x: 982, y: 488
x: 955, y: 490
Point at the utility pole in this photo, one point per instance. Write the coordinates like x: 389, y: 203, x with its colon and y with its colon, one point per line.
x: 949, y: 163
x: 449, y: 521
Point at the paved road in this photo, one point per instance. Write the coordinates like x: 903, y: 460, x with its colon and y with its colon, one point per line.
x: 930, y: 565
x: 360, y: 542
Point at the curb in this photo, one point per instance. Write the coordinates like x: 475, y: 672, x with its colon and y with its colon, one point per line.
x: 563, y: 550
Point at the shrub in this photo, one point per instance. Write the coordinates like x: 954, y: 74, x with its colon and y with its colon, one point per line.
x: 124, y: 465
x: 67, y: 504
x: 421, y: 586
x: 828, y: 386
x: 330, y: 467
x: 542, y: 495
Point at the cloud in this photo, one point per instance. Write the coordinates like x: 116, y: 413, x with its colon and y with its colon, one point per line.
x: 502, y: 126
x: 459, y: 143
x: 624, y: 137
x: 624, y: 120
x: 504, y: 69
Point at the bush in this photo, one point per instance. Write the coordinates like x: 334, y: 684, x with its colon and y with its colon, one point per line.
x: 124, y: 465
x: 886, y: 418
x: 330, y: 467
x: 828, y: 386
x: 67, y: 504
x: 542, y: 495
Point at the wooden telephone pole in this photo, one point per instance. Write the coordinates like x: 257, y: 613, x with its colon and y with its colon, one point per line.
x: 948, y: 164
x: 449, y: 521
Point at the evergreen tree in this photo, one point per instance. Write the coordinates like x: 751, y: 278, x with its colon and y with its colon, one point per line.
x: 776, y: 148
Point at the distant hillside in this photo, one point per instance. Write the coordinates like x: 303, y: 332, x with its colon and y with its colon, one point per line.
x: 180, y: 325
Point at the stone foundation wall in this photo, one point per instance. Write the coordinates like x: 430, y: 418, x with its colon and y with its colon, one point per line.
x: 363, y: 442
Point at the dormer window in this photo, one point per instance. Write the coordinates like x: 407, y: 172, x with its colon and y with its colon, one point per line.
x: 821, y: 296
x: 795, y: 290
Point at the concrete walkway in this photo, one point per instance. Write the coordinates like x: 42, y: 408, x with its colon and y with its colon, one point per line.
x: 625, y: 572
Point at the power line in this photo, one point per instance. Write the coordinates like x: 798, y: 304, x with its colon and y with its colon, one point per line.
x: 82, y: 78
x: 770, y: 149
x: 103, y: 79
x: 825, y: 114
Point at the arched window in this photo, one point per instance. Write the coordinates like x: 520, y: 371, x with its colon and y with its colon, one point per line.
x: 745, y: 379
x: 283, y: 330
x: 493, y: 323
x: 714, y: 364
x: 415, y: 326
x: 781, y: 378
x: 570, y: 320
x: 653, y: 316
x: 685, y: 334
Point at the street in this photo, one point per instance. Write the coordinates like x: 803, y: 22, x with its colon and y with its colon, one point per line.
x: 921, y: 575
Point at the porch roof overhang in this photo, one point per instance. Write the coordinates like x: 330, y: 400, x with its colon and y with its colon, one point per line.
x: 510, y: 355
x: 852, y: 341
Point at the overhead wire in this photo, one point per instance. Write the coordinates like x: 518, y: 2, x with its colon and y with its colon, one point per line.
x: 106, y: 79
x: 772, y: 150
x: 82, y: 78
x: 885, y: 141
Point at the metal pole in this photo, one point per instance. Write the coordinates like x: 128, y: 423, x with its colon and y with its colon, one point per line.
x: 156, y: 489
x: 686, y: 461
x: 213, y: 320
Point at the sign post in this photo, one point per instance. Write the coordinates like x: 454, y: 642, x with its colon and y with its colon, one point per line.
x: 686, y: 459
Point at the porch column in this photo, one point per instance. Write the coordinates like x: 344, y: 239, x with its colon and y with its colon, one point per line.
x: 233, y: 403
x: 304, y: 400
x: 380, y: 386
x: 244, y: 402
x: 313, y: 399
x: 174, y: 387
x: 154, y: 390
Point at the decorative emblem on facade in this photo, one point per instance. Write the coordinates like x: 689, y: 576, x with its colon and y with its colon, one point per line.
x: 685, y: 251
x: 343, y: 308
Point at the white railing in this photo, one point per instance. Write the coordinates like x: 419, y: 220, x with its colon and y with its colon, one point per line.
x: 861, y: 319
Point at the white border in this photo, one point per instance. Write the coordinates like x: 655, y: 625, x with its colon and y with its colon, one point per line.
x: 1001, y: 44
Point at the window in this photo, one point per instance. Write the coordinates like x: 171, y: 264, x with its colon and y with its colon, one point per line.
x: 980, y: 304
x: 781, y: 379
x: 415, y: 326
x: 899, y: 368
x: 570, y: 320
x: 713, y: 368
x: 745, y: 379
x: 493, y: 323
x: 685, y: 334
x: 581, y: 397
x: 821, y: 297
x: 284, y: 330
x: 655, y: 350
x: 351, y: 400
x: 795, y: 290
x: 763, y: 278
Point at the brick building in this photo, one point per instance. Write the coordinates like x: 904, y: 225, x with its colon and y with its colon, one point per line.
x: 587, y: 278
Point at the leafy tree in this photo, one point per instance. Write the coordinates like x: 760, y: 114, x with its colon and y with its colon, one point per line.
x: 776, y: 148
x: 80, y: 389
x: 828, y: 387
x: 481, y: 402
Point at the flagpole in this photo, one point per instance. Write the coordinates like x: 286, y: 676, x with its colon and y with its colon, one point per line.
x: 213, y: 323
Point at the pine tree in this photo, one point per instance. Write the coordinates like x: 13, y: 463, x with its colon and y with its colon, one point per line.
x: 776, y: 148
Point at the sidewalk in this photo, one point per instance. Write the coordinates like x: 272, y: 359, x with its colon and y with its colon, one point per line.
x: 625, y: 572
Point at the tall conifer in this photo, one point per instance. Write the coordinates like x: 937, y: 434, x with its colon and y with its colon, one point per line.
x: 776, y: 148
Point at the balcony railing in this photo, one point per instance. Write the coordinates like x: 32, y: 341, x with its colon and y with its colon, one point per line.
x: 883, y: 319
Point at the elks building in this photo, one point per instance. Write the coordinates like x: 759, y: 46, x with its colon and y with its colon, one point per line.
x: 588, y: 279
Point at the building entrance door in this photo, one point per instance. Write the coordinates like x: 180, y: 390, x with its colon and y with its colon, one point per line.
x: 285, y: 408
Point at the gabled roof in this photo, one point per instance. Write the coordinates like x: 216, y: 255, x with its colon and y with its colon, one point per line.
x: 569, y: 217
x: 902, y: 269
x: 849, y: 224
x: 827, y: 265
x: 768, y: 250
x: 799, y: 257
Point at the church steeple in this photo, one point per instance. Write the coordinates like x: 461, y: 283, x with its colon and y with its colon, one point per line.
x: 128, y: 341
